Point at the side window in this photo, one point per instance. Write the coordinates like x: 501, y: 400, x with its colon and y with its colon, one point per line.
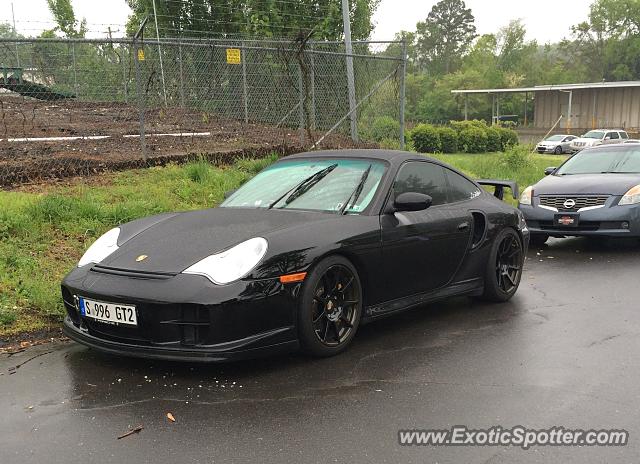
x: 624, y: 135
x: 460, y: 189
x: 422, y: 177
x: 613, y: 135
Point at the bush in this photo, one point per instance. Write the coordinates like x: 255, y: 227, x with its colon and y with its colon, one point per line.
x: 426, y: 138
x: 448, y: 139
x: 517, y: 157
x: 459, y: 126
x: 473, y: 140
x: 383, y: 128
x: 508, y: 138
x: 494, y: 139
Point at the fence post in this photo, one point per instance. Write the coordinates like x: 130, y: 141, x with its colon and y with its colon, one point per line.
x: 301, y: 103
x: 350, y: 78
x: 139, y: 95
x: 312, y: 78
x: 403, y: 73
x: 243, y: 59
x: 124, y: 74
x: 181, y: 74
x: 75, y: 75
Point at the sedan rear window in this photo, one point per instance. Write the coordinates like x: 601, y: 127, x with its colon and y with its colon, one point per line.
x: 602, y: 161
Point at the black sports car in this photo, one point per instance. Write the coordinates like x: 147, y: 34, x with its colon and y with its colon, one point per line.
x: 300, y: 255
x: 595, y: 192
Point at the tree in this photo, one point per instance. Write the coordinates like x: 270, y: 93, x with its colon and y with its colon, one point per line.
x: 65, y: 18
x: 319, y: 19
x: 445, y: 35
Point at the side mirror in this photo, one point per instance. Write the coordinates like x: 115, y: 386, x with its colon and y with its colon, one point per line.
x: 549, y: 170
x: 229, y: 193
x: 412, y: 201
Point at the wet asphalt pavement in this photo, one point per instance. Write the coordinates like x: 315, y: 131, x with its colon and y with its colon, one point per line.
x: 564, y: 351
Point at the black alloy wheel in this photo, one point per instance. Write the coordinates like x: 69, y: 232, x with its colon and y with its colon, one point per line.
x: 331, y: 306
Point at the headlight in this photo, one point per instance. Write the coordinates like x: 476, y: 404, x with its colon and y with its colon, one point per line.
x: 101, y: 248
x: 232, y: 264
x: 525, y: 198
x: 632, y: 197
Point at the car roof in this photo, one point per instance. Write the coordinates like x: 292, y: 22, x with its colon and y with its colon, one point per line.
x: 608, y: 130
x: 396, y: 156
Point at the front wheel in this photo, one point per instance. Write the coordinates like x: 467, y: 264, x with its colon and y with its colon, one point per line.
x: 558, y: 150
x: 330, y: 308
x: 504, y: 269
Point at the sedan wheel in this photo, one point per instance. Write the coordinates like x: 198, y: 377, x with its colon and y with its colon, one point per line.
x: 331, y: 307
x: 558, y: 150
x: 504, y: 270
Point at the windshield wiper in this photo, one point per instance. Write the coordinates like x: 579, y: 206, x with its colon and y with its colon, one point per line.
x: 356, y: 193
x: 303, y: 187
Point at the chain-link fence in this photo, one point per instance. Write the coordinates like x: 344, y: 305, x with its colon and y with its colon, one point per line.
x: 80, y: 106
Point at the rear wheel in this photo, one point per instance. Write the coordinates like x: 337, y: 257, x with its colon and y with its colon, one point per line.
x: 504, y: 269
x: 538, y: 239
x: 331, y: 307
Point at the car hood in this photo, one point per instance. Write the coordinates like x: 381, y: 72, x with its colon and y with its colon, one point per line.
x: 175, y: 242
x: 585, y: 184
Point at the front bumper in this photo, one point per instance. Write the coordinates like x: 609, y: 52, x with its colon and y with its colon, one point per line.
x: 185, y: 317
x: 543, y: 149
x: 607, y: 221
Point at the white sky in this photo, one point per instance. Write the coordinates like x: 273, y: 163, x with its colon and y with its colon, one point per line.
x: 546, y: 20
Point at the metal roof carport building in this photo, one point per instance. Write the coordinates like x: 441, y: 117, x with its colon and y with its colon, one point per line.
x: 582, y: 106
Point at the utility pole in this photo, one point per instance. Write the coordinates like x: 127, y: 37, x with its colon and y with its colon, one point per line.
x: 15, y: 32
x: 164, y: 87
x: 350, y: 79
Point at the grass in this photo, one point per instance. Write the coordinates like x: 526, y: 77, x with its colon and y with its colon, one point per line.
x: 45, y: 230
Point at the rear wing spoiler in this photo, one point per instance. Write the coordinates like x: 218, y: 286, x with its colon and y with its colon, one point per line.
x: 500, y: 185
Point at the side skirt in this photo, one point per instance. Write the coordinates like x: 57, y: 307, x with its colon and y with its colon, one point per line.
x: 467, y: 287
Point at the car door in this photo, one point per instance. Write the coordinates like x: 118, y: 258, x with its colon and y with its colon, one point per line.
x: 423, y: 249
x: 566, y: 143
x: 611, y: 137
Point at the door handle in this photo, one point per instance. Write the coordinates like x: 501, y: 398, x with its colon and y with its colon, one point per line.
x: 463, y: 226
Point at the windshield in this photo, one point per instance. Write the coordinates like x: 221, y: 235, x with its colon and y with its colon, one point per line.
x: 555, y: 138
x: 312, y: 184
x: 602, y: 161
x: 593, y: 135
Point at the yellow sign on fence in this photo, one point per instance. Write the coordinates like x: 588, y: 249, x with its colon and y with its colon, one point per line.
x: 233, y: 56
x: 140, y: 54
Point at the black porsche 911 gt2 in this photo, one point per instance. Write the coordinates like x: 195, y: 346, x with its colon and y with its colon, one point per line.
x: 302, y: 254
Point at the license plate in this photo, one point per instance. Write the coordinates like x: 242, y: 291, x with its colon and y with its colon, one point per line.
x: 110, y: 313
x: 567, y: 220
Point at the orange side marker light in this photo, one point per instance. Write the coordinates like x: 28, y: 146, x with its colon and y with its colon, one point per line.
x: 291, y: 278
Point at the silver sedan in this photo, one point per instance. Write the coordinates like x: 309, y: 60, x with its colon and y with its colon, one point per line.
x: 557, y: 144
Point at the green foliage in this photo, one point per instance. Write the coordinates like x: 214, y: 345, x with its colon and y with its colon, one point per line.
x: 262, y: 18
x: 65, y: 18
x: 383, y: 127
x: 508, y: 137
x: 198, y: 171
x: 517, y: 157
x: 473, y: 139
x: 494, y: 139
x: 426, y: 138
x: 445, y: 35
x: 448, y: 139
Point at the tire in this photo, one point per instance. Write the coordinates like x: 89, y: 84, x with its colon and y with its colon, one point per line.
x: 538, y: 239
x: 326, y: 325
x: 558, y: 150
x: 504, y: 267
